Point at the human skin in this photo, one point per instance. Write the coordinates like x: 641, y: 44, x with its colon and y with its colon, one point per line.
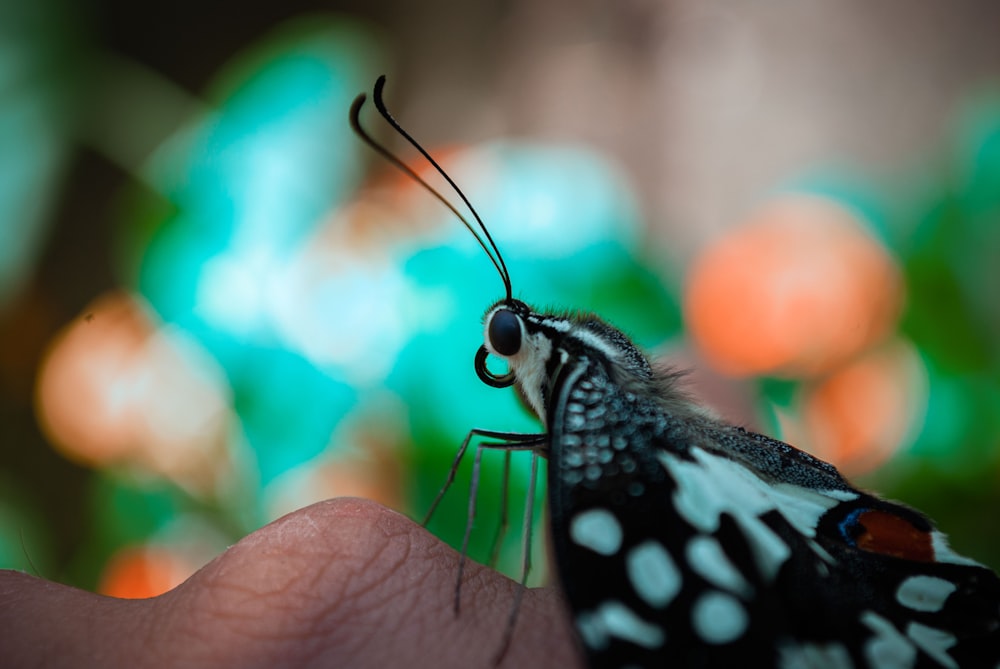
x: 341, y: 583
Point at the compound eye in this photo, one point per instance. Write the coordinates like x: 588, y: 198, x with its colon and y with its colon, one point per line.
x: 505, y: 332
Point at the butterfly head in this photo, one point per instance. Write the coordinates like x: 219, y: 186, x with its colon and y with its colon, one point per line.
x: 537, y: 345
x: 510, y: 332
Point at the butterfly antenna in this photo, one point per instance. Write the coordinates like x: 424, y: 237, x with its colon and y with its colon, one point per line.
x: 495, y: 257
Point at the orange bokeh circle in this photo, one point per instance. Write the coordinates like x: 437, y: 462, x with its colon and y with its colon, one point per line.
x: 858, y: 416
x: 143, y: 571
x: 798, y: 289
x: 117, y: 388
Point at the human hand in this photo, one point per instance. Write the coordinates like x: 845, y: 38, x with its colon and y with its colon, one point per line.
x: 341, y: 583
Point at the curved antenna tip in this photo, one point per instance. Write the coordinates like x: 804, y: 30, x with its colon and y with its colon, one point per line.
x: 497, y: 261
x: 358, y: 101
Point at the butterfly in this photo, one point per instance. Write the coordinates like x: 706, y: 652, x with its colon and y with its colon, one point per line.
x: 681, y: 540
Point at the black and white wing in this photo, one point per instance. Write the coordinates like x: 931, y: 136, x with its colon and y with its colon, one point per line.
x: 681, y: 541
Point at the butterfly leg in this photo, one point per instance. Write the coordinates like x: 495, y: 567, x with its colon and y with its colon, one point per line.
x: 509, y: 441
x: 503, y: 525
x: 529, y: 508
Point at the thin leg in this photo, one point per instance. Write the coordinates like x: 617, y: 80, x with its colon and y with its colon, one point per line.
x: 502, y: 527
x: 529, y: 508
x: 451, y: 477
x: 473, y: 490
x: 515, y: 442
x: 511, y: 441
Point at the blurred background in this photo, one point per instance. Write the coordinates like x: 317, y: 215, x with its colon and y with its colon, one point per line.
x: 217, y: 306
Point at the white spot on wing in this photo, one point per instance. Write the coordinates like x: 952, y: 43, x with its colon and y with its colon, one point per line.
x: 713, y: 485
x: 614, y: 619
x: 701, y: 484
x: 944, y: 553
x: 814, y: 656
x: 653, y: 574
x: 887, y: 649
x: 769, y: 550
x: 802, y: 507
x: 705, y: 556
x: 719, y: 618
x: 593, y: 633
x: 598, y: 530
x: 924, y: 593
x: 841, y: 495
x: 934, y: 642
x: 823, y: 553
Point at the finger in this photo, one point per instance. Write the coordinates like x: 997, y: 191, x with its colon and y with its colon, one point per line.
x: 340, y: 583
x: 350, y: 583
x: 46, y: 624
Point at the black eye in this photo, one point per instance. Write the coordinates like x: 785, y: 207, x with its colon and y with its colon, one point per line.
x: 505, y: 332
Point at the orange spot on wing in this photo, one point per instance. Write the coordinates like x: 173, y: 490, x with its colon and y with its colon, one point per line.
x: 889, y: 534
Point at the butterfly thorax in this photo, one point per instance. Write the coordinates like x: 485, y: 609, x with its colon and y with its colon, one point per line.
x: 550, y: 341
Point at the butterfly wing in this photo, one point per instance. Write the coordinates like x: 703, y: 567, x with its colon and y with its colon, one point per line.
x: 683, y: 541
